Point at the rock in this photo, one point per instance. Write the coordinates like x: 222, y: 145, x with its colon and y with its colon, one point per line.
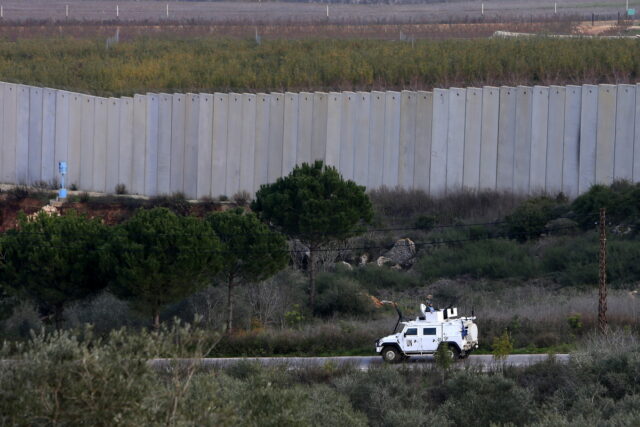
x: 344, y: 264
x: 382, y: 261
x: 299, y: 253
x: 396, y: 267
x: 402, y: 251
x: 621, y: 230
x: 48, y: 209
x: 363, y: 259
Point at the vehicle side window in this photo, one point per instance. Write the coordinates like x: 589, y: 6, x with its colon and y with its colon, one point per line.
x: 429, y: 331
x: 412, y: 331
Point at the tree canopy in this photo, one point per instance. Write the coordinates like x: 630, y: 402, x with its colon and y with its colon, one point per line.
x: 251, y: 252
x: 315, y: 205
x: 53, y: 260
x: 159, y: 258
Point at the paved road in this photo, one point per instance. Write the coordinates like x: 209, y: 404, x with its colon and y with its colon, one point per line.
x: 360, y: 362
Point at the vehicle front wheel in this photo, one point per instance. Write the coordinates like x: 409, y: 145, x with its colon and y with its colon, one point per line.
x: 391, y: 355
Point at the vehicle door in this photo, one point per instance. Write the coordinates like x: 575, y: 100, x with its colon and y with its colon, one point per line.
x: 411, y: 340
x: 431, y: 337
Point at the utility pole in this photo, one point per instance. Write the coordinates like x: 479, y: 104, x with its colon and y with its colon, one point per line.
x: 602, y: 292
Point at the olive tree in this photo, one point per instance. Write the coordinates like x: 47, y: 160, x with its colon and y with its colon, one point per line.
x: 315, y: 205
x: 159, y: 258
x: 251, y: 252
x: 53, y: 260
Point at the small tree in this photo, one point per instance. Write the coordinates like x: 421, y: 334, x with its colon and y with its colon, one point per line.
x: 53, y: 260
x: 315, y: 205
x: 159, y: 258
x: 251, y: 252
x: 502, y: 346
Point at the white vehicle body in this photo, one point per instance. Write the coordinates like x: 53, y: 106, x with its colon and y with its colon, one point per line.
x: 427, y: 332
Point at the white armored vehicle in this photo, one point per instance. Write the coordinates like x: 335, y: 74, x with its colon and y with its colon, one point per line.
x: 427, y: 333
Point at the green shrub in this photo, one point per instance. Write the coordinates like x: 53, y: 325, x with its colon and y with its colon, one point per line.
x: 425, y: 222
x: 341, y: 295
x: 575, y: 261
x: 491, y: 259
x: 529, y: 219
x: 621, y: 200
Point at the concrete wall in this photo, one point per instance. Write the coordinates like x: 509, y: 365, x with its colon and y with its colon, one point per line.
x: 522, y: 139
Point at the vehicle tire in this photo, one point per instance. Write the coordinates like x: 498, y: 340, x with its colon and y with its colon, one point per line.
x: 452, y: 351
x: 391, y: 355
x: 455, y: 353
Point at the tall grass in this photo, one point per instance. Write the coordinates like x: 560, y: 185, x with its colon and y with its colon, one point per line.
x: 236, y: 65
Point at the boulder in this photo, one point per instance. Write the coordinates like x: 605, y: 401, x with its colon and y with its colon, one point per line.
x: 382, y: 261
x: 344, y: 264
x: 363, y: 259
x: 402, y: 252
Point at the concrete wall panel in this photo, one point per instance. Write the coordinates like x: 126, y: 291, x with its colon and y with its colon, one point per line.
x: 87, y: 143
x: 99, y: 179
x: 276, y: 136
x: 139, y: 143
x: 636, y: 144
x: 261, y: 154
x: 391, y: 137
x: 472, y: 139
x: 219, y: 150
x: 248, y: 149
x: 539, y: 129
x: 489, y: 139
x: 9, y: 129
x: 305, y: 127
x: 571, y: 149
x: 440, y: 129
x: 555, y: 139
x: 588, y: 131
x: 75, y: 139
x: 151, y: 146
x: 234, y: 144
x: 113, y: 144
x: 606, y: 134
x: 422, y: 161
x: 190, y: 165
x: 61, y: 153
x: 407, y: 143
x: 164, y: 143
x: 178, y: 130
x: 334, y: 123
x: 35, y: 134
x: 125, y: 164
x: 455, y: 139
x: 49, y: 168
x: 376, y: 139
x: 625, y: 127
x: 22, y: 135
x: 205, y: 145
x: 2, y: 147
x: 347, y: 134
x: 362, y: 138
x: 506, y: 139
x: 522, y: 154
x: 290, y: 135
x: 319, y: 124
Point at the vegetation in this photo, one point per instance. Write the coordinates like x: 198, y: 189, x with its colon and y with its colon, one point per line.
x: 250, y: 251
x: 315, y: 205
x: 52, y: 261
x: 159, y: 258
x: 208, y: 65
x: 61, y: 379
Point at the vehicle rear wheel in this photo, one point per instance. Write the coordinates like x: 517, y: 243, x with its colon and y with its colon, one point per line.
x: 454, y: 352
x: 391, y: 355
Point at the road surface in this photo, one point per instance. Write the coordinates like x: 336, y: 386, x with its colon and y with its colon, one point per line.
x: 359, y: 362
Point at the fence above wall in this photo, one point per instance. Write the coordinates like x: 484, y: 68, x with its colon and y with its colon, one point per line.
x: 521, y: 139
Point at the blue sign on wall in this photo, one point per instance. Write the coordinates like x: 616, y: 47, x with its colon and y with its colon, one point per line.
x: 631, y: 12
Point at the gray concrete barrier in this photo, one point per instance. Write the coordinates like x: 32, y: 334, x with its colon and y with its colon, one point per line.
x: 523, y: 139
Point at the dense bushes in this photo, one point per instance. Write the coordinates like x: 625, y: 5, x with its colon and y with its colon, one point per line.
x: 60, y: 379
x: 492, y: 259
x: 203, y: 64
x: 621, y: 200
